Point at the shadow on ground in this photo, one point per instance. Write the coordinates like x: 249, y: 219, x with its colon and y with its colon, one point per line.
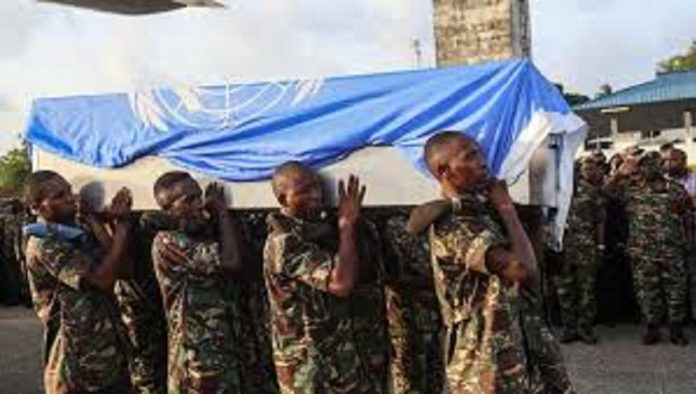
x: 617, y: 365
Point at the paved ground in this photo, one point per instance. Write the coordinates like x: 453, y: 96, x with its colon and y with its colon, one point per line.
x: 617, y: 365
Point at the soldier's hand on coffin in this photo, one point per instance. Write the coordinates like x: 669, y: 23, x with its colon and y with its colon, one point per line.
x: 350, y: 200
x: 499, y: 195
x: 121, y: 205
x: 215, y: 199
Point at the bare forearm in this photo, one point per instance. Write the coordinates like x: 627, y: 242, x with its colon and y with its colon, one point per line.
x: 231, y: 251
x: 521, y: 246
x: 344, y: 274
x: 99, y: 230
x: 105, y: 274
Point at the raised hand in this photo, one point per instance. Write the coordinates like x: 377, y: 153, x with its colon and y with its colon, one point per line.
x: 499, y: 195
x: 122, y: 204
x: 215, y: 198
x: 350, y: 200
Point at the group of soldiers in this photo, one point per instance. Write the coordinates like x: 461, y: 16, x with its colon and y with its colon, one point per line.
x: 651, y: 224
x: 445, y: 297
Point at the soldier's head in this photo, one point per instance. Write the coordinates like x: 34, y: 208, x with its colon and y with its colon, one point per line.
x: 591, y: 170
x: 651, y: 166
x: 675, y: 162
x: 50, y: 197
x: 179, y: 195
x: 666, y: 148
x: 298, y: 189
x: 456, y: 161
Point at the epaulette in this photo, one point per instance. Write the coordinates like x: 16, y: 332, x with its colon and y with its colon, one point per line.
x: 426, y: 214
x: 278, y: 223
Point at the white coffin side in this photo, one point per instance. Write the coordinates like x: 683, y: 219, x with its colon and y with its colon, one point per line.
x: 390, y: 178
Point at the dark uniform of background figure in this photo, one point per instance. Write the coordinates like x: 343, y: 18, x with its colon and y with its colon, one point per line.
x: 254, y: 323
x: 415, y: 324
x: 576, y: 279
x: 140, y: 304
x: 545, y: 365
x: 655, y: 208
x: 14, y: 288
x: 368, y: 308
x: 616, y: 299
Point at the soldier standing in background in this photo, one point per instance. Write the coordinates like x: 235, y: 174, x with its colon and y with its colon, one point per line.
x: 14, y: 288
x: 656, y: 208
x: 677, y: 169
x: 584, y: 246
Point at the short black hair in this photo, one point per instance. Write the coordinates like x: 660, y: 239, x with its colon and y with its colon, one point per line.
x: 682, y: 154
x: 285, y: 170
x: 436, y: 145
x: 34, y: 186
x: 666, y: 146
x: 166, y: 181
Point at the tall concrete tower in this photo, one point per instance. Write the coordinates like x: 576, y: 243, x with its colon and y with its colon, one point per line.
x: 475, y: 31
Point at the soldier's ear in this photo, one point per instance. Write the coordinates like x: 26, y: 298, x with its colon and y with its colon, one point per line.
x: 282, y: 199
x: 442, y: 171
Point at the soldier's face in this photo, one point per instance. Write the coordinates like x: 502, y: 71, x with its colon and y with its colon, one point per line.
x: 466, y: 170
x: 674, y: 163
x: 303, y: 196
x: 184, y: 200
x: 58, y: 203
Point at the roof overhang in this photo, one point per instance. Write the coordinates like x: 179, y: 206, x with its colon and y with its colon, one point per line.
x: 135, y: 7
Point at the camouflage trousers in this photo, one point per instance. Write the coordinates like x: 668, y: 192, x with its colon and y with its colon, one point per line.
x: 661, y: 284
x: 477, y: 365
x: 417, y: 365
x: 691, y: 267
x: 547, y: 372
x: 252, y: 328
x: 148, y: 337
x: 575, y: 288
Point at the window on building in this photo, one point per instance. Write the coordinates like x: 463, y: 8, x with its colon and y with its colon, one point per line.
x: 650, y: 134
x: 598, y: 144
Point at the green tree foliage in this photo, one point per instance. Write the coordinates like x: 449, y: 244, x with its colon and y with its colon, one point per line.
x: 572, y: 99
x: 681, y: 62
x: 604, y: 90
x: 15, y: 166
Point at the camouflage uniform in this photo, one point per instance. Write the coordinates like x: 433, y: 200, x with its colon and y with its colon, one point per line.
x: 415, y: 324
x: 368, y: 311
x: 85, y: 345
x: 249, y: 293
x: 315, y: 350
x: 575, y: 283
x: 656, y: 244
x: 545, y: 365
x: 13, y: 277
x: 484, y: 343
x: 142, y: 313
x: 202, y: 352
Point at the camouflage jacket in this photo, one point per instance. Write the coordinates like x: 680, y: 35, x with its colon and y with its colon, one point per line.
x: 201, y: 344
x: 587, y: 211
x: 412, y: 302
x: 655, y: 213
x: 315, y: 350
x: 85, y: 342
x: 478, y: 307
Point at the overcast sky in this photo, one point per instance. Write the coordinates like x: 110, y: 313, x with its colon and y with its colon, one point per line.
x: 48, y: 50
